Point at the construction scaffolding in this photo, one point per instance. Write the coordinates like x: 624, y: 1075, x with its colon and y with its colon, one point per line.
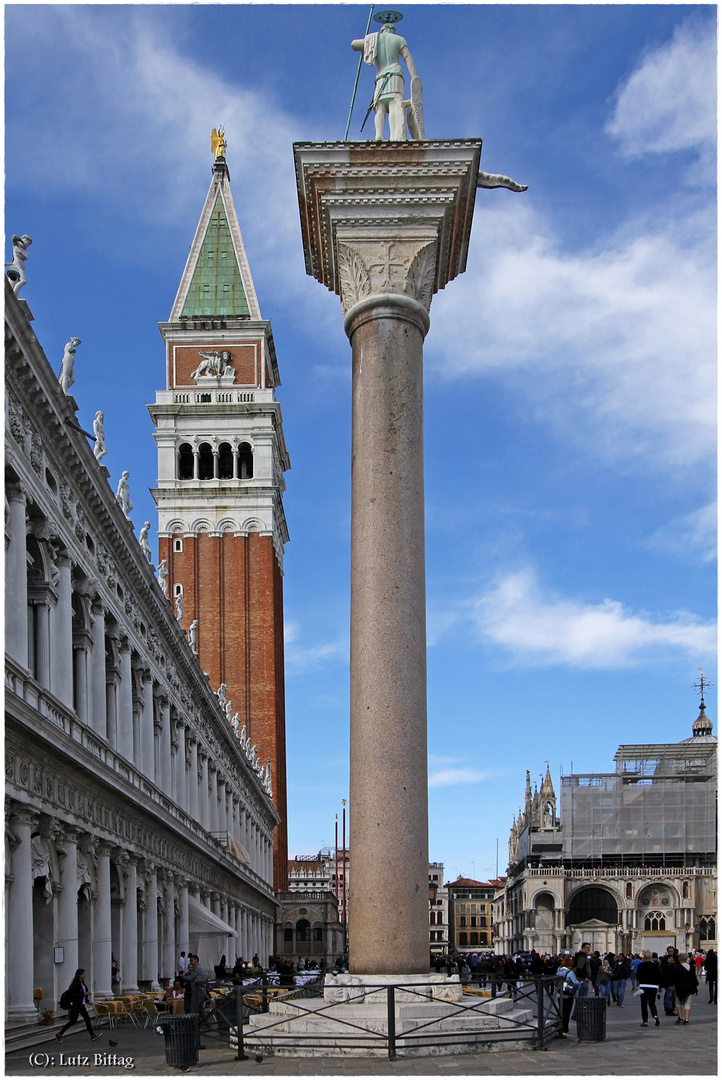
x: 659, y: 806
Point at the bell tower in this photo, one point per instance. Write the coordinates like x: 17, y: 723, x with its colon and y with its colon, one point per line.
x: 221, y: 460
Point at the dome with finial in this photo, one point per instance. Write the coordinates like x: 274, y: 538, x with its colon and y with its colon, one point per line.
x: 701, y: 729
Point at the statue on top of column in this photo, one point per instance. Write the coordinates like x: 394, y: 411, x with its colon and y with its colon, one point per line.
x: 384, y: 49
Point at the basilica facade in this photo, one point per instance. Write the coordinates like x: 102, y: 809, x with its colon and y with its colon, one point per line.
x: 137, y: 822
x: 627, y: 862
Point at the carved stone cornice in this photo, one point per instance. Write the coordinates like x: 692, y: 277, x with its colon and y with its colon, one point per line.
x: 386, y: 217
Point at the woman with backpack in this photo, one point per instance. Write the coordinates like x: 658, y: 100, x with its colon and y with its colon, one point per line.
x: 685, y: 984
x: 75, y: 999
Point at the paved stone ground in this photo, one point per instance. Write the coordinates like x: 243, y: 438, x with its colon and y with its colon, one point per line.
x: 628, y: 1050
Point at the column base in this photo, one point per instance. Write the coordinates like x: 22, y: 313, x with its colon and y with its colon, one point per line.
x: 22, y: 1014
x: 432, y: 1016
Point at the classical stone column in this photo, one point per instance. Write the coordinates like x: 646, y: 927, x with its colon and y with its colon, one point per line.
x: 192, y: 770
x: 183, y: 933
x: 124, y: 721
x: 129, y: 963
x: 102, y: 933
x: 164, y: 777
x: 19, y: 951
x: 168, y: 944
x: 16, y: 578
x: 98, y: 707
x: 179, y: 784
x: 147, y: 738
x: 150, y: 926
x: 386, y: 225
x: 61, y: 635
x: 213, y: 798
x: 67, y: 924
x: 205, y: 815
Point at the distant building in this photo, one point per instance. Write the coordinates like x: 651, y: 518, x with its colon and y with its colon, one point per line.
x: 630, y: 862
x: 438, y: 910
x: 310, y: 921
x: 470, y: 914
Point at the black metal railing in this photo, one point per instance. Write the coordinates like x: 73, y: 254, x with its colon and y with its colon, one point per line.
x: 540, y: 996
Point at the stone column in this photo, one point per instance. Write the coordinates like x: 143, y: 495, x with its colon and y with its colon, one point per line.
x: 124, y: 719
x: 385, y: 225
x: 147, y: 721
x: 61, y: 635
x: 20, y: 1007
x: 67, y: 924
x: 16, y: 577
x: 180, y: 788
x: 205, y: 816
x: 129, y: 963
x: 168, y: 951
x: 164, y: 777
x: 102, y: 932
x: 183, y: 933
x: 97, y: 710
x: 213, y: 798
x: 192, y: 770
x: 150, y: 926
x: 222, y: 809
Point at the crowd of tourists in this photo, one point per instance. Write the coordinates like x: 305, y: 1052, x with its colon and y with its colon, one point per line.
x: 673, y: 978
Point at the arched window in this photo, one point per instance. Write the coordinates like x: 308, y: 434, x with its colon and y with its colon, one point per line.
x: 185, y: 461
x: 225, y: 461
x: 245, y: 461
x: 629, y: 891
x: 303, y: 930
x: 205, y: 461
x: 178, y: 544
x: 685, y: 890
x: 655, y: 920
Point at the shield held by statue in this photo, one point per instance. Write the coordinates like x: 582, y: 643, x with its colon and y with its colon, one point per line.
x: 415, y: 109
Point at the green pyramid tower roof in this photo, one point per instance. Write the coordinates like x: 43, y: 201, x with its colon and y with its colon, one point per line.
x: 216, y: 287
x: 217, y: 278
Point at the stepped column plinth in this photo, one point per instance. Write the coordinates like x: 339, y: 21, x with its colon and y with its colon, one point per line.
x: 385, y: 225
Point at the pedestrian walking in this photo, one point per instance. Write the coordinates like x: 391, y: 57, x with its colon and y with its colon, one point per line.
x: 648, y: 979
x: 685, y: 985
x: 77, y: 997
x: 710, y: 966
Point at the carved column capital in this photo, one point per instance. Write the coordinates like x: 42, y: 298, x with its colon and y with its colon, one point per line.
x: 369, y: 266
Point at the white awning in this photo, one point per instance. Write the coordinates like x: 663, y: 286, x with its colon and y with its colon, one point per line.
x: 202, y: 921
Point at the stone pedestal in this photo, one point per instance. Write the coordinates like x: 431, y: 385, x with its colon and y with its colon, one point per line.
x: 385, y: 225
x: 431, y: 1015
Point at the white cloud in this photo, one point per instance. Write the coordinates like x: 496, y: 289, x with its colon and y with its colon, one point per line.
x: 127, y: 124
x: 669, y: 102
x: 615, y: 348
x: 302, y: 656
x: 690, y: 537
x: 452, y: 777
x: 517, y: 614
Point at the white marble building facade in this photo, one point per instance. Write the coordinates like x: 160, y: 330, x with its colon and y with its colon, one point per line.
x: 134, y: 820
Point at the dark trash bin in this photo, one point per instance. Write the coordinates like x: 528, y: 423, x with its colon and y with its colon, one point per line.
x: 591, y: 1016
x: 181, y: 1040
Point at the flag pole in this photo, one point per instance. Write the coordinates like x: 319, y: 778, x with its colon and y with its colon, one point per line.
x: 355, y: 85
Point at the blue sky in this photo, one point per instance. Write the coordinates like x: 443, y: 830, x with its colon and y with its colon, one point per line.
x: 570, y: 389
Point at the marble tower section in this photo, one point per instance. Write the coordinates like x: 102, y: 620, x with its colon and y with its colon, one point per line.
x: 221, y: 460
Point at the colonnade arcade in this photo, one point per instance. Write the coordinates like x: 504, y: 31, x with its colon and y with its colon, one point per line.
x: 74, y: 899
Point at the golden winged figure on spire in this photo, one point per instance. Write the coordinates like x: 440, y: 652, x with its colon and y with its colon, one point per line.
x: 218, y: 143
